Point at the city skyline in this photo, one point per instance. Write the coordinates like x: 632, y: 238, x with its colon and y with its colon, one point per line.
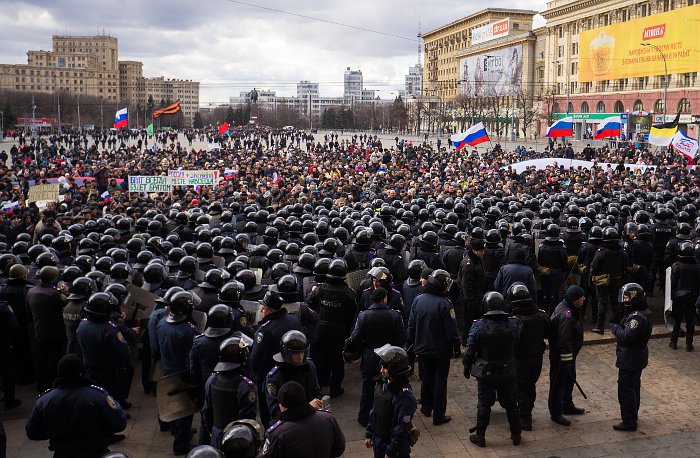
x: 231, y: 46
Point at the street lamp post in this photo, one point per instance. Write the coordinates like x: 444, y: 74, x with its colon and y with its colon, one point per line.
x: 663, y: 56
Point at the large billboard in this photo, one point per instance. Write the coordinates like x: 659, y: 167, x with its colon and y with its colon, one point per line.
x: 500, y: 72
x: 628, y: 49
x: 491, y: 31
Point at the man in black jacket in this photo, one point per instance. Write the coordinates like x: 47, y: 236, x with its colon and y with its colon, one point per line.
x: 289, y: 436
x: 534, y: 328
x: 565, y: 342
x: 45, y: 305
x: 471, y: 286
x: 376, y: 326
x: 632, y: 336
x: 608, y: 269
x: 516, y: 271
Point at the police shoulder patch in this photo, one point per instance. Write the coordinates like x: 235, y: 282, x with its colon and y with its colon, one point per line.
x: 271, y: 389
x: 266, y: 446
x: 251, y: 396
x: 259, y: 337
x: 452, y: 313
x: 634, y: 324
x: 111, y: 402
x: 243, y: 321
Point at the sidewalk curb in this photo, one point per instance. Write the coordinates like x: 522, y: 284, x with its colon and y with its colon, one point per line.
x: 658, y: 331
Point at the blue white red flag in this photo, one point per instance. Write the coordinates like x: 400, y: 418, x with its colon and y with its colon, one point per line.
x: 473, y: 136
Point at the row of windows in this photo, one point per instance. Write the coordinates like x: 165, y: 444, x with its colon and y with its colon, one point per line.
x: 618, y: 107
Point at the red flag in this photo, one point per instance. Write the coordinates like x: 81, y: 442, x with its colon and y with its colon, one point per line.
x: 223, y: 128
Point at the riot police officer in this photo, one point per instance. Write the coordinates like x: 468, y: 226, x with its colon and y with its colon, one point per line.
x: 685, y: 287
x: 231, y: 294
x: 75, y: 404
x: 390, y: 420
x: 493, y: 259
x: 334, y: 301
x: 585, y: 257
x: 662, y: 232
x: 565, y: 342
x: 241, y: 439
x: 228, y: 394
x: 428, y: 250
x: 381, y: 278
x: 632, y: 335
x: 292, y: 364
x: 274, y: 324
x: 376, y: 326
x: 360, y: 255
x: 394, y: 258
x: 207, y: 290
x: 553, y: 264
x: 471, y: 285
x: 433, y: 331
x: 205, y: 353
x: 533, y: 324
x: 81, y: 289
x: 490, y: 358
x: 174, y: 338
x: 104, y: 349
x: 608, y: 269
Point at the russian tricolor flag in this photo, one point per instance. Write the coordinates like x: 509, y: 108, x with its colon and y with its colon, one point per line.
x: 608, y: 127
x: 229, y: 174
x: 562, y: 128
x: 106, y: 196
x: 473, y: 136
x: 9, y: 206
x: 121, y: 119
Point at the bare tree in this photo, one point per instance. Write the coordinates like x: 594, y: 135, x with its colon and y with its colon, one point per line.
x: 528, y: 110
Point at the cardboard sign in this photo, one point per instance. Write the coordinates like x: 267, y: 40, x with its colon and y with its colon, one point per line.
x: 143, y: 183
x: 193, y: 177
x: 47, y: 192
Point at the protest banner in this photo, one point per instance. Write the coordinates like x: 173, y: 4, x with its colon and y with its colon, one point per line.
x: 144, y: 183
x: 43, y: 192
x: 193, y: 177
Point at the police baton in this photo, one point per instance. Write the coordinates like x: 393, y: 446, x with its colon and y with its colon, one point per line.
x: 580, y: 389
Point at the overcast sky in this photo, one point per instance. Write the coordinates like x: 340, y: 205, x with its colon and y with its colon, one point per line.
x: 230, y: 47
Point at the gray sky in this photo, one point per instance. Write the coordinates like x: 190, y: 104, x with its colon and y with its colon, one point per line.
x: 230, y: 47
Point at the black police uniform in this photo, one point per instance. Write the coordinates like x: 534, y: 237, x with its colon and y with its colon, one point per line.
x: 585, y: 258
x: 641, y: 258
x: 267, y: 343
x: 685, y: 288
x: 663, y: 232
x: 282, y: 373
x: 45, y: 306
x: 396, y: 265
x: 491, y: 354
x: 359, y: 257
x: 335, y: 304
x: 472, y: 288
x: 73, y: 312
x: 534, y: 327
x: 105, y: 352
x: 77, y: 418
x: 394, y: 299
x: 8, y: 329
x: 209, y: 298
x: 376, y: 326
x: 572, y: 243
x: 433, y: 331
x: 610, y: 260
x: 552, y: 256
x: 289, y: 436
x: 494, y: 258
x: 632, y: 336
x: 565, y: 342
x: 391, y: 418
x: 173, y: 343
x: 514, y: 272
x: 229, y: 396
x: 15, y: 293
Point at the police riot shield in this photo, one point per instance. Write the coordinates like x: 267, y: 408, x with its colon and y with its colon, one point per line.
x: 200, y: 319
x: 175, y: 397
x: 156, y: 371
x: 139, y: 303
x: 218, y: 261
x: 668, y: 303
x: 252, y: 311
x: 354, y: 279
x: 258, y: 275
x: 199, y: 275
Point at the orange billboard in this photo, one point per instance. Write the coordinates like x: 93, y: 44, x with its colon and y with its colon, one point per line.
x: 638, y: 47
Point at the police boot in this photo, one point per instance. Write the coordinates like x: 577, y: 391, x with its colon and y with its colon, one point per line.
x: 478, y: 439
x: 516, y: 439
x: 673, y: 344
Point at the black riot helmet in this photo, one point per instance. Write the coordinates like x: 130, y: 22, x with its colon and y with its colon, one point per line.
x: 394, y: 359
x: 70, y: 273
x: 233, y: 353
x: 337, y: 270
x: 187, y: 267
x: 293, y: 342
x: 518, y: 294
x: 287, y: 288
x: 439, y: 281
x: 415, y: 268
x: 610, y: 234
x: 99, y: 306
x: 231, y: 293
x: 493, y: 303
x: 181, y: 306
x: 118, y: 291
x: 247, y: 278
x: 104, y: 264
x: 214, y: 279
x: 241, y: 439
x: 154, y: 274
x: 219, y: 321
x: 321, y: 268
x: 81, y: 289
x: 632, y: 296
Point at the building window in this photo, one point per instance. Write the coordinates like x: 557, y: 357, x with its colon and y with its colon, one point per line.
x: 684, y: 106
x: 619, y: 107
x: 560, y: 69
x: 584, y: 107
x: 600, y: 107
x: 555, y: 107
x: 574, y: 68
x: 659, y: 106
x: 570, y: 108
x: 686, y: 80
x: 516, y: 26
x: 574, y: 49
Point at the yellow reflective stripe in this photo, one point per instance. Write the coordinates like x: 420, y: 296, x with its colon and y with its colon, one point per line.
x: 567, y: 357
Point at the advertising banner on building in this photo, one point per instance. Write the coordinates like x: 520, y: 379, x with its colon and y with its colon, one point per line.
x: 639, y: 47
x: 497, y: 73
x: 491, y: 31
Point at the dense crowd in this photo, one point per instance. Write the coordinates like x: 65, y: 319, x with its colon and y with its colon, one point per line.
x: 314, y: 250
